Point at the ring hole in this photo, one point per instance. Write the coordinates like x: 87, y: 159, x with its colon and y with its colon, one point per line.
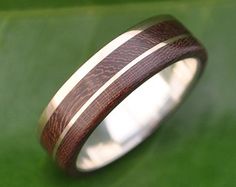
x: 137, y: 115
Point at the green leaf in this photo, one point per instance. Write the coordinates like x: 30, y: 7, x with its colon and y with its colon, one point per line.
x: 43, y: 42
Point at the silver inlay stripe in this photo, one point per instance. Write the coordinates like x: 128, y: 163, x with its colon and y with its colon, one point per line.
x: 108, y: 83
x: 89, y: 65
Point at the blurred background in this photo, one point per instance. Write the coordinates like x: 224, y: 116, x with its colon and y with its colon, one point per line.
x: 43, y: 42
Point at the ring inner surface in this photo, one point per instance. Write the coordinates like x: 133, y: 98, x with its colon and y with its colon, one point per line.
x: 137, y: 115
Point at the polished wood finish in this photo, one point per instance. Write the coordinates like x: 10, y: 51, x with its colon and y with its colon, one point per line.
x: 118, y: 90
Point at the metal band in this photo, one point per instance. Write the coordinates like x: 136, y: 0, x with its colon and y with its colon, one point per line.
x: 109, y: 77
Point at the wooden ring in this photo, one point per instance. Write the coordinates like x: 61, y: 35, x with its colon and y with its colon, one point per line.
x: 157, y: 56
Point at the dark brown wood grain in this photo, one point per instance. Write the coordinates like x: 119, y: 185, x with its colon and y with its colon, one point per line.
x: 97, y: 111
x: 102, y: 73
x: 73, y: 141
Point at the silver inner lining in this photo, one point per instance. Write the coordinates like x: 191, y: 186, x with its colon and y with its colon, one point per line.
x: 137, y: 115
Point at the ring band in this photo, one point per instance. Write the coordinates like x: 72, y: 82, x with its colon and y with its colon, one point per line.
x: 121, y: 94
